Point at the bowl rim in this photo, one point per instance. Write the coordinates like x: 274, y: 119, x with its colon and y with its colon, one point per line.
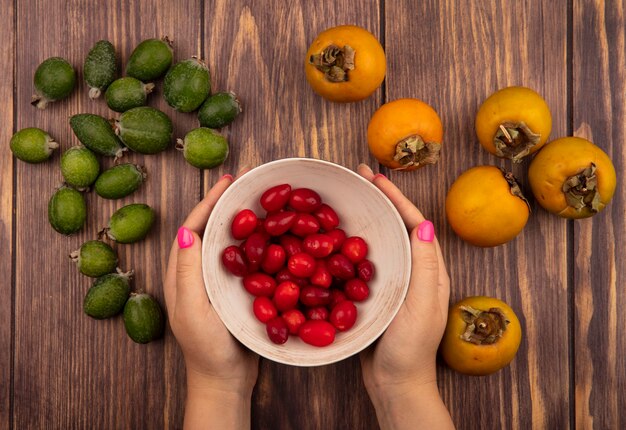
x: 393, y: 311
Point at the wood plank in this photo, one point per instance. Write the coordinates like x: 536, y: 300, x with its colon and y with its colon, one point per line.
x: 453, y: 56
x: 257, y: 50
x: 7, y: 51
x: 72, y: 371
x: 599, y: 114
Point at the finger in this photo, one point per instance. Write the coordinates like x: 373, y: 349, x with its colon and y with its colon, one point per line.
x: 191, y: 296
x: 444, y: 283
x: 423, y: 293
x: 199, y: 215
x: 169, y: 284
x: 365, y: 171
x: 411, y: 216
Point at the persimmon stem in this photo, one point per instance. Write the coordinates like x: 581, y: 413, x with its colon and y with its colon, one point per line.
x: 514, y: 140
x: 581, y: 190
x: 506, y: 133
x: 483, y: 327
x: 413, y: 151
x: 335, y: 62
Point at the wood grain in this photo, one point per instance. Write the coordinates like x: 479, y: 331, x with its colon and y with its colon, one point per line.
x: 599, y: 114
x: 453, y: 55
x: 257, y: 50
x: 565, y: 280
x: 70, y: 370
x: 7, y: 51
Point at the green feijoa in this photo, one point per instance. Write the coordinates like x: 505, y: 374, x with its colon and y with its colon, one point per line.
x: 108, y: 295
x: 143, y: 318
x: 130, y: 223
x: 96, y: 133
x: 120, y: 181
x: 67, y: 210
x: 187, y: 85
x: 145, y: 130
x: 150, y: 59
x: 219, y: 110
x: 203, y: 148
x: 32, y: 145
x: 54, y: 79
x: 127, y: 93
x: 95, y: 258
x: 79, y: 167
x: 100, y: 68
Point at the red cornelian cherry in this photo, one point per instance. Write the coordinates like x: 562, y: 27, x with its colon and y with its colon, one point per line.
x: 327, y: 217
x: 317, y: 333
x: 357, y: 290
x: 279, y: 223
x: 305, y: 200
x: 234, y: 261
x: 286, y: 296
x: 294, y: 319
x: 343, y: 316
x: 318, y: 245
x: 301, y: 265
x: 355, y: 248
x: 276, y: 197
x: 317, y: 313
x: 244, y: 224
x: 277, y: 330
x: 304, y: 225
x: 264, y: 309
x: 274, y: 259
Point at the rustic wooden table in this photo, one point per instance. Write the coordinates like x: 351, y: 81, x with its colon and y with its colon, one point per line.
x: 565, y: 279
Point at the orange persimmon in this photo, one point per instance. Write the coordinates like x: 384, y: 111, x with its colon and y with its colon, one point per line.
x: 513, y: 123
x: 482, y: 336
x: 485, y: 206
x: 345, y: 64
x: 572, y: 177
x: 405, y: 134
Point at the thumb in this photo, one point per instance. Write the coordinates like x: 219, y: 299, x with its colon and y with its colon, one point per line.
x: 423, y: 287
x: 190, y: 291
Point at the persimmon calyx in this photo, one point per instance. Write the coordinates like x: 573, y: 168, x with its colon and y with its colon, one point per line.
x: 581, y: 190
x: 413, y: 151
x: 514, y: 140
x: 483, y: 327
x: 334, y: 62
x: 514, y: 186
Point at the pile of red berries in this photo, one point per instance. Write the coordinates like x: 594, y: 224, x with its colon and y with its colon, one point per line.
x: 304, y: 272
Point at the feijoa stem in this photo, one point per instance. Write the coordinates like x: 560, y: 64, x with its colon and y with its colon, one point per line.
x: 74, y: 255
x: 413, y: 151
x: 40, y: 101
x: 514, y: 140
x: 180, y: 144
x: 483, y: 327
x: 581, y: 190
x: 51, y: 143
x: 148, y: 88
x: 128, y: 275
x: 94, y: 93
x: 334, y: 62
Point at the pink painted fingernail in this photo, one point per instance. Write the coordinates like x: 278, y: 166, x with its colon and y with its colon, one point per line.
x: 379, y: 175
x: 185, y: 237
x: 227, y: 176
x: 426, y: 231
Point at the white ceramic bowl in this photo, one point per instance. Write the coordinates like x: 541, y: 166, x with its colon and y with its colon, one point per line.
x: 363, y: 211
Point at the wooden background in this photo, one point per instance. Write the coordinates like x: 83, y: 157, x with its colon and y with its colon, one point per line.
x: 565, y: 279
